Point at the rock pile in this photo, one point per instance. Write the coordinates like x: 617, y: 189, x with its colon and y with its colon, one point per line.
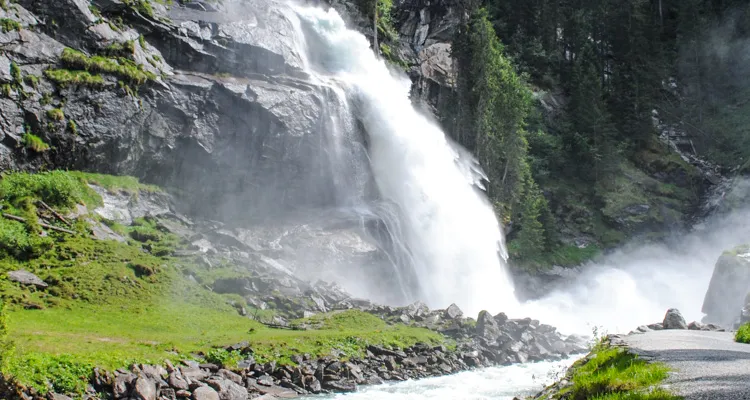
x: 491, y: 340
x: 309, y: 376
x: 673, y: 319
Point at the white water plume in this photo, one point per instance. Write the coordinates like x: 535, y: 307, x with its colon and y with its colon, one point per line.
x: 450, y: 229
x: 636, y: 285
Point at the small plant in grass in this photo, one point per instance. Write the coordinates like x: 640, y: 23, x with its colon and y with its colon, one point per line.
x: 224, y: 358
x: 743, y: 334
x: 56, y: 114
x: 34, y: 142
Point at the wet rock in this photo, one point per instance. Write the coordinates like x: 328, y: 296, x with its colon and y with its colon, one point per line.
x: 487, y: 327
x: 674, y: 320
x: 342, y: 386
x: 381, y: 351
x: 26, y: 278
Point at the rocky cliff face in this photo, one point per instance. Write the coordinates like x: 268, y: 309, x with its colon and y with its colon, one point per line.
x: 730, y: 285
x: 209, y: 99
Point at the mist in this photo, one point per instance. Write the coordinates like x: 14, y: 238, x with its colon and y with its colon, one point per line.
x: 636, y: 284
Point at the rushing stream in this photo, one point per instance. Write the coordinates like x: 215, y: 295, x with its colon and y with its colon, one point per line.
x: 453, y: 247
x: 501, y: 383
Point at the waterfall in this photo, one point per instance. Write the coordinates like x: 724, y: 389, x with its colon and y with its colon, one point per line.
x: 454, y: 241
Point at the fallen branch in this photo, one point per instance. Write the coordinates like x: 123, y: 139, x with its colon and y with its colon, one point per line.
x: 55, y: 213
x: 43, y: 225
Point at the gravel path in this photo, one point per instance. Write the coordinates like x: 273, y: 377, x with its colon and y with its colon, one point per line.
x: 706, y: 365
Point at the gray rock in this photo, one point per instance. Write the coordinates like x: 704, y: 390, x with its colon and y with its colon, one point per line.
x: 122, y: 384
x: 144, y: 389
x: 205, y: 393
x: 176, y: 381
x: 26, y: 278
x: 674, y: 320
x: 487, y: 326
x: 453, y: 312
x: 228, y: 390
x: 729, y: 286
x: 56, y: 396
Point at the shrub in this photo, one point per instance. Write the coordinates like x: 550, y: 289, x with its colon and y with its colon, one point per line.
x: 62, y: 374
x: 8, y: 25
x: 56, y: 114
x: 73, y: 127
x: 34, y: 142
x: 743, y: 334
x: 15, y: 72
x: 224, y: 358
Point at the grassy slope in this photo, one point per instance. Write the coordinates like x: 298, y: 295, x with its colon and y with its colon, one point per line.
x: 110, y: 304
x: 612, y: 373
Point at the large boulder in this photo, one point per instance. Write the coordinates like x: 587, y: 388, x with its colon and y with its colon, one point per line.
x: 674, y: 320
x: 26, y: 278
x: 730, y: 283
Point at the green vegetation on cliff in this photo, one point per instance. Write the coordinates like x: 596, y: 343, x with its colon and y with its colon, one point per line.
x: 557, y: 101
x: 110, y: 304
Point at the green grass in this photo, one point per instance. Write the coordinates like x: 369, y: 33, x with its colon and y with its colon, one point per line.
x: 115, y: 183
x: 34, y: 142
x: 612, y: 373
x: 121, y: 67
x: 111, y: 304
x: 743, y: 334
x: 59, y: 189
x: 64, y: 78
x: 8, y: 25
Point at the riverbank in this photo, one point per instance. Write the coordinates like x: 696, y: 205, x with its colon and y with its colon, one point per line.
x: 118, y: 282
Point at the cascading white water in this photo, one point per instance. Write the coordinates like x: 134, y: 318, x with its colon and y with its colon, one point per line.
x: 450, y: 229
